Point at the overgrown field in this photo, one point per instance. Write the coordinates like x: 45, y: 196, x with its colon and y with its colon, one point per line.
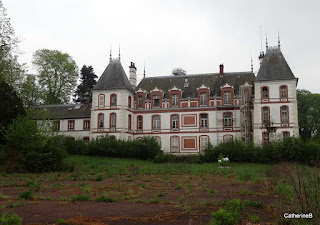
x: 129, y: 191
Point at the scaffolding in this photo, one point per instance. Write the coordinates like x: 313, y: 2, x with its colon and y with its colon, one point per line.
x: 246, y: 113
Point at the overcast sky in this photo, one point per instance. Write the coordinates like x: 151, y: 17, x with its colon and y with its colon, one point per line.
x: 196, y: 35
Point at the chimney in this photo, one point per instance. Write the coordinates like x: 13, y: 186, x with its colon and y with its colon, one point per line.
x: 133, y: 75
x: 261, y: 56
x: 221, y: 69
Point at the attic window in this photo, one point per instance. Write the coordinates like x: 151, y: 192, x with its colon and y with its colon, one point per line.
x: 156, y: 101
x: 186, y: 83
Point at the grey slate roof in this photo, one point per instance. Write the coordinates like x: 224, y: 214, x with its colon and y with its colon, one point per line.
x: 113, y: 77
x: 274, y: 66
x: 212, y: 80
x: 67, y: 111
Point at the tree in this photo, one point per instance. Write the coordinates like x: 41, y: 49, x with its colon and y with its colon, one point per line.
x: 309, y: 113
x: 30, y: 91
x: 88, y: 80
x: 11, y: 107
x: 10, y: 70
x: 179, y: 71
x: 57, y: 75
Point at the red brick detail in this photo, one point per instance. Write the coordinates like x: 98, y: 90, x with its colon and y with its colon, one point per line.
x: 189, y: 143
x: 184, y: 104
x: 189, y: 120
x: 193, y: 104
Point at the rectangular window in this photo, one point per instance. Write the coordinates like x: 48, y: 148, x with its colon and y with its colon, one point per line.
x: 129, y: 102
x: 227, y: 120
x: 284, y: 114
x: 113, y: 100
x: 203, y: 121
x: 156, y: 123
x: 101, y: 101
x: 71, y: 125
x: 57, y: 125
x: 265, y: 116
x: 100, y: 121
x: 140, y: 102
x: 175, y: 122
x: 284, y: 92
x: 129, y: 122
x: 156, y: 101
x: 86, y: 124
x: 203, y: 98
x: 140, y: 123
x: 227, y: 97
x: 112, y: 121
x: 174, y: 100
x: 175, y: 144
x: 204, y: 140
x: 265, y: 94
x: 286, y: 134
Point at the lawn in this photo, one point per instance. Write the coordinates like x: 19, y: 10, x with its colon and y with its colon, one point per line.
x: 128, y: 191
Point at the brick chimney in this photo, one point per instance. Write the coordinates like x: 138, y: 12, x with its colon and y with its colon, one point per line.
x: 221, y: 69
x: 133, y: 75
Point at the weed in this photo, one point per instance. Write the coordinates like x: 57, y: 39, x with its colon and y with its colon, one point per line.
x: 254, y: 218
x: 159, y: 194
x: 222, y: 217
x: 86, y: 189
x: 256, y: 204
x: 99, y: 177
x: 78, y: 198
x: 13, y: 219
x: 182, y: 200
x: 26, y: 195
x: 178, y: 187
x: 61, y: 221
x: 142, y: 185
x: 34, y: 185
x: 212, y: 192
x: 105, y: 198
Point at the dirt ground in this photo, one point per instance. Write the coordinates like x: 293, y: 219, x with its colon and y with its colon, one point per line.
x: 135, y: 199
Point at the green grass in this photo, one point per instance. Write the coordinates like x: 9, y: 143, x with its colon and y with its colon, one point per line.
x: 78, y: 198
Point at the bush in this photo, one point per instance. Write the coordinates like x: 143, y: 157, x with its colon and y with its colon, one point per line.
x: 74, y: 147
x: 12, y: 219
x: 26, y: 195
x: 221, y: 217
x: 29, y: 150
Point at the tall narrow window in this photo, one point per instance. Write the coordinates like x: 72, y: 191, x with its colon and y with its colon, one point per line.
x: 70, y: 124
x: 86, y: 125
x: 140, y: 123
x: 227, y: 120
x: 101, y: 101
x: 204, y: 140
x: 283, y: 93
x: 284, y: 114
x: 129, y: 122
x: 100, y: 121
x: 174, y: 100
x: 175, y: 122
x: 156, y: 101
x: 265, y: 115
x: 156, y: 123
x: 174, y: 144
x: 129, y: 102
x: 227, y: 97
x: 140, y: 102
x: 265, y: 93
x: 203, y: 121
x: 203, y: 98
x: 112, y: 121
x: 56, y: 125
x: 113, y: 100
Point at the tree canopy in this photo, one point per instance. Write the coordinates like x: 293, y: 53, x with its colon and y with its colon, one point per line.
x: 88, y: 80
x: 57, y: 75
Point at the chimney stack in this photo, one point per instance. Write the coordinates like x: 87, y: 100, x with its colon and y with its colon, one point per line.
x: 221, y: 69
x: 133, y: 75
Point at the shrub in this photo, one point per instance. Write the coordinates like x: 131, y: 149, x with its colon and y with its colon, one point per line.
x: 12, y: 219
x: 221, y: 217
x: 104, y: 198
x: 74, y: 146
x: 26, y: 195
x: 82, y: 197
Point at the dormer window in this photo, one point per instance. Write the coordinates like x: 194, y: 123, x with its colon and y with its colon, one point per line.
x: 227, y: 97
x: 265, y: 94
x: 174, y: 100
x: 113, y: 100
x: 203, y: 98
x: 140, y: 102
x: 156, y: 101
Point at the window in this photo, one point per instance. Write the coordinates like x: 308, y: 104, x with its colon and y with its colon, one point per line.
x: 140, y: 102
x: 156, y: 123
x: 101, y: 101
x: 203, y: 142
x: 227, y: 97
x: 227, y: 120
x: 100, y: 121
x: 265, y: 115
x: 70, y: 124
x: 203, y: 121
x: 283, y: 93
x: 140, y: 123
x: 227, y: 138
x: 174, y: 100
x: 129, y: 102
x: 174, y: 144
x: 203, y: 98
x: 265, y: 93
x: 113, y: 100
x: 129, y: 122
x: 285, y: 134
x: 156, y: 101
x: 112, y: 121
x: 284, y: 114
x: 86, y: 125
x: 56, y: 125
x: 86, y: 138
x: 266, y: 137
x: 175, y: 122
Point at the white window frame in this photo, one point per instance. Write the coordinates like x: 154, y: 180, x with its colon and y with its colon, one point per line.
x: 204, y: 141
x: 156, y: 123
x: 203, y: 99
x: 227, y: 120
x: 175, y: 144
x: 175, y: 122
x: 204, y: 121
x: 227, y: 97
x: 174, y: 100
x: 156, y: 97
x: 113, y: 121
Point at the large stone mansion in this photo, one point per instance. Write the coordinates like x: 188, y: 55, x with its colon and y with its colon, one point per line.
x: 185, y: 112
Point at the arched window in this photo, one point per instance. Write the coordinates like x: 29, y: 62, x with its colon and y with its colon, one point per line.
x: 284, y: 92
x: 265, y: 116
x: 156, y: 122
x: 174, y: 122
x: 175, y: 145
x: 204, y: 140
x: 101, y: 101
x: 129, y: 102
x: 140, y: 123
x: 227, y: 137
x: 284, y: 115
x: 285, y: 134
x: 100, y: 121
x: 129, y: 122
x: 112, y: 121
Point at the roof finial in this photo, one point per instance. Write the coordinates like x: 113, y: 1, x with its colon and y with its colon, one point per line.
x: 266, y: 42
x: 278, y: 40
x: 251, y: 64
x: 110, y: 58
x: 261, y: 38
x: 119, y: 52
x: 144, y: 69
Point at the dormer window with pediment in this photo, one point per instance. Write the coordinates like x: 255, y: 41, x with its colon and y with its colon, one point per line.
x: 227, y: 94
x: 156, y: 98
x: 203, y: 95
x: 175, y: 95
x: 140, y: 99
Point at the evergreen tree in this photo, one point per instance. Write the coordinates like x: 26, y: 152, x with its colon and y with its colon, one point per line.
x: 88, y: 80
